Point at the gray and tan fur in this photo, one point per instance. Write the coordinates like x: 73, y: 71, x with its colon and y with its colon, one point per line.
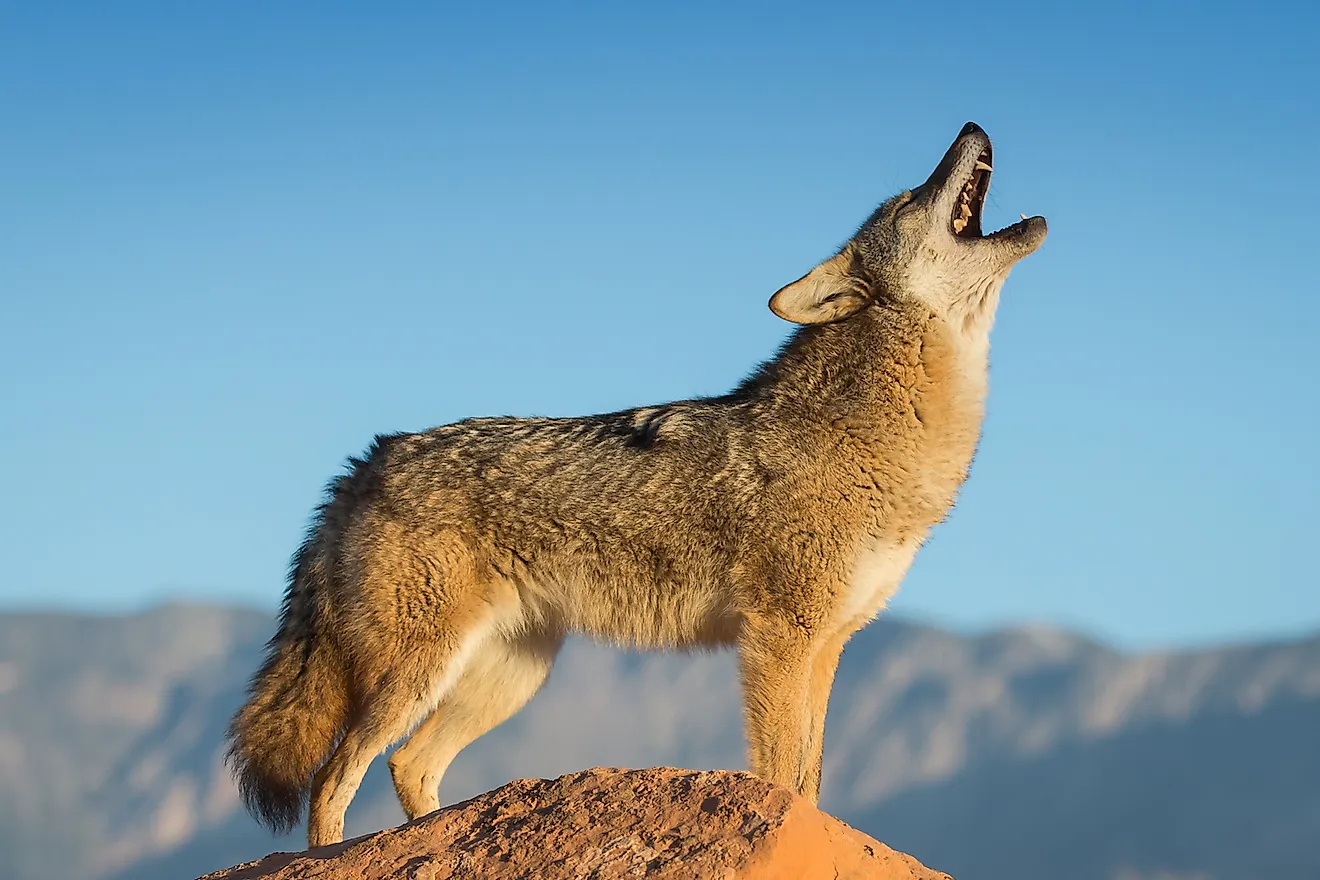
x: 441, y: 575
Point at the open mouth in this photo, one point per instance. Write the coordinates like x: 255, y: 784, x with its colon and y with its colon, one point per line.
x: 971, y: 200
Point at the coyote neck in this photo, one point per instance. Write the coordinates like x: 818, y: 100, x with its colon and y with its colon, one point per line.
x: 893, y: 401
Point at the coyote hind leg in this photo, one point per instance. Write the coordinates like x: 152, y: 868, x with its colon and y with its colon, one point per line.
x: 498, y: 681
x: 403, y: 692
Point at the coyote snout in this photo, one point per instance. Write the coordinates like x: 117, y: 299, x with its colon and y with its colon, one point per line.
x: 444, y: 569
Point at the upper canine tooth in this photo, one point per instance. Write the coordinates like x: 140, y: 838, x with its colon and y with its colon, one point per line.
x: 982, y: 166
x: 1023, y: 216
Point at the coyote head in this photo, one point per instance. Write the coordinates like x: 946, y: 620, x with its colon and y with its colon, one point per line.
x: 922, y: 245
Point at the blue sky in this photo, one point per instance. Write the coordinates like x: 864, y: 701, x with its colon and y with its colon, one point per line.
x: 237, y: 240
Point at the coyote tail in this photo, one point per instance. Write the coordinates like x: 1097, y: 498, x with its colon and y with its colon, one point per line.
x: 297, y: 703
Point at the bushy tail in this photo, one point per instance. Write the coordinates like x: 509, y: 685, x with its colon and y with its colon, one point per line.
x: 297, y: 702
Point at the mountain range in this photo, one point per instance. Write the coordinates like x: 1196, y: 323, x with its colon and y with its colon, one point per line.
x: 1025, y: 753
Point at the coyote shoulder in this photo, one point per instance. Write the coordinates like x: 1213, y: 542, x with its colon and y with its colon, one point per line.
x: 445, y: 568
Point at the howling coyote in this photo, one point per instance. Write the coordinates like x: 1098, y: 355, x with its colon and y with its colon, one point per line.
x: 444, y: 569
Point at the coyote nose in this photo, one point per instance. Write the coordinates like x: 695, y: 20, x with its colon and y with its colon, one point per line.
x: 971, y: 128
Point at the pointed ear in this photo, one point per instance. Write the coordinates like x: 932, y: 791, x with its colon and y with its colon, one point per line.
x: 829, y: 292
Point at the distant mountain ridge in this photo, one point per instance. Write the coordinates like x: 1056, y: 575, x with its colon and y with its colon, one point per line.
x: 1023, y: 753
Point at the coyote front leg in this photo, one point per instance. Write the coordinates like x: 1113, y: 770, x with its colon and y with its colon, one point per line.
x: 774, y: 658
x: 823, y: 666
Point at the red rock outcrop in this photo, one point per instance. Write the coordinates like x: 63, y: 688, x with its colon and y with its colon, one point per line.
x: 604, y: 824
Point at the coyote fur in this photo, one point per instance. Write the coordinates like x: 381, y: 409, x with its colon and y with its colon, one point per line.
x: 444, y: 569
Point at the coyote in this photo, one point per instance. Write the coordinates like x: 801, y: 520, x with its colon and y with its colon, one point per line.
x: 444, y: 569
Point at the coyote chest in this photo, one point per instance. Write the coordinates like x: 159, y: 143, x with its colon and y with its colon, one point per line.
x: 918, y: 479
x: 877, y: 570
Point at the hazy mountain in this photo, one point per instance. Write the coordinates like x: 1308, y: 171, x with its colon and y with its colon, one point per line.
x: 1023, y: 753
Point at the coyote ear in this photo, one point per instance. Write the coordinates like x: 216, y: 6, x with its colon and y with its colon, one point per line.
x: 829, y: 292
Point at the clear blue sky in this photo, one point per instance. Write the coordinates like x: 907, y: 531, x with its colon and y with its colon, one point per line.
x: 239, y: 239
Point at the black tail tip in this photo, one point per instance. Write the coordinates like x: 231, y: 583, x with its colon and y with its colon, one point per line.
x: 273, y: 802
x: 276, y: 810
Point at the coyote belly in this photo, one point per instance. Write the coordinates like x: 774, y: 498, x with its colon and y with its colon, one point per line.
x: 444, y: 569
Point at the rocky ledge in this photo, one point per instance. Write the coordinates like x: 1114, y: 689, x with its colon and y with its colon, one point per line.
x: 604, y: 824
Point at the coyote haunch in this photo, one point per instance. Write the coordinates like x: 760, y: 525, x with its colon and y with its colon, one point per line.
x: 443, y: 571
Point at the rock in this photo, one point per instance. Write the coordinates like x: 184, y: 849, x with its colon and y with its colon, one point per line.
x: 603, y: 824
